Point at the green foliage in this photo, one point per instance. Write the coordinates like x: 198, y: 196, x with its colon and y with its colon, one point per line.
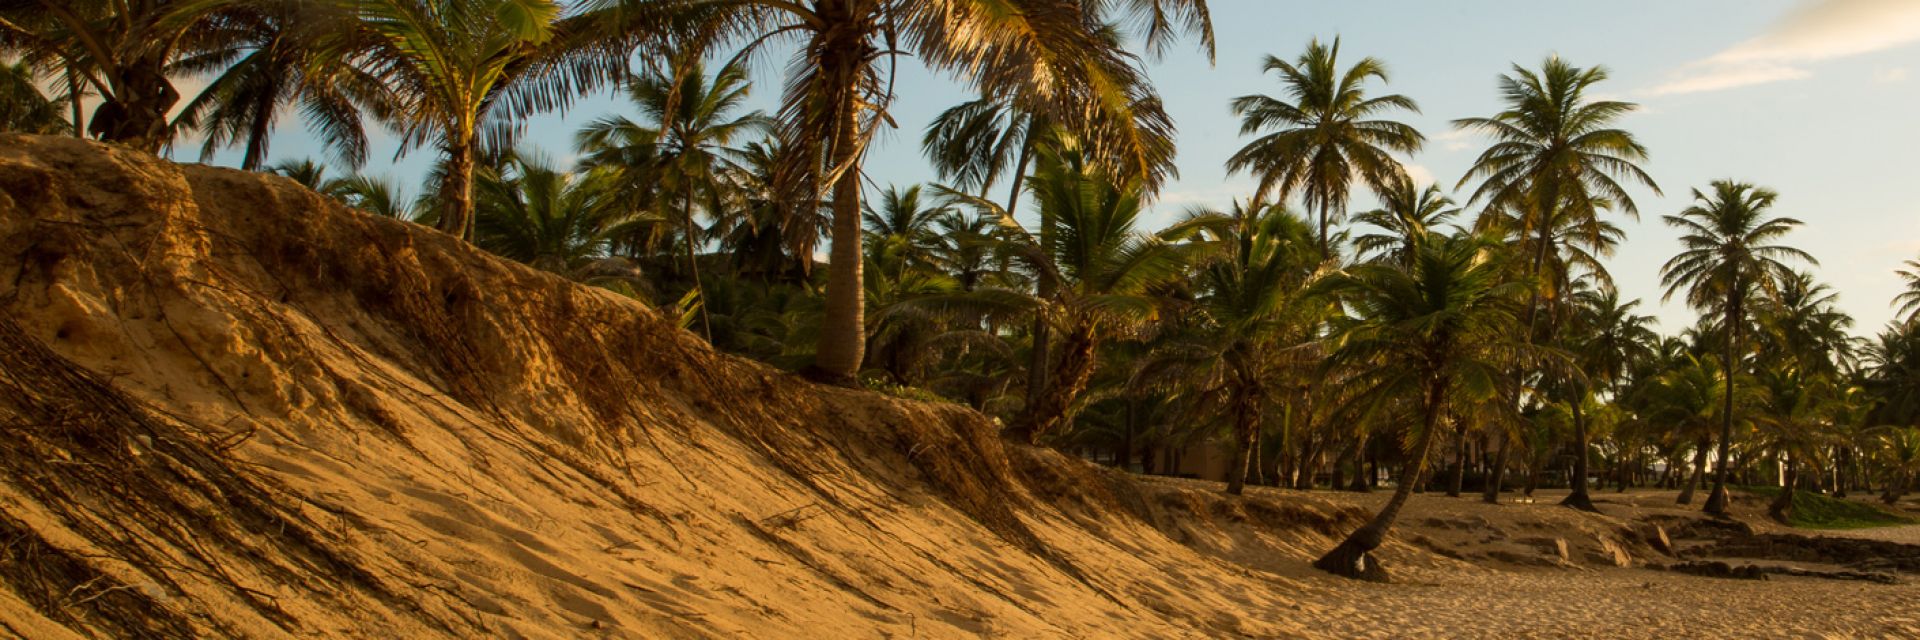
x: 1817, y: 511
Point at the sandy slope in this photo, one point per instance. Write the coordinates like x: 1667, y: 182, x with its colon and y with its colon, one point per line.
x: 230, y: 407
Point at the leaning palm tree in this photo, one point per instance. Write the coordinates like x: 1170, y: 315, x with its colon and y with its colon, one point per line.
x: 1729, y: 254
x: 1438, y: 334
x: 462, y: 75
x: 1315, y: 141
x: 1060, y: 55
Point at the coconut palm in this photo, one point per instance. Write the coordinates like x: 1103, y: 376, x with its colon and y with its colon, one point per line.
x: 1253, y: 304
x: 1729, y: 255
x: 261, y: 68
x: 1795, y: 407
x: 903, y: 227
x: 378, y: 196
x: 1407, y: 217
x: 1060, y: 54
x: 685, y: 151
x: 1605, y: 337
x: 124, y: 52
x: 531, y: 211
x: 462, y: 75
x: 1689, y: 395
x: 1908, y: 302
x: 1324, y: 133
x: 1438, y: 333
x: 23, y: 108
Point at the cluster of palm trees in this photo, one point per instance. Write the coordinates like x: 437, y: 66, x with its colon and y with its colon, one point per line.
x: 1430, y: 340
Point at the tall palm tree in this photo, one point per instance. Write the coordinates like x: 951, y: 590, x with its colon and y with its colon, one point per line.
x: 1606, y: 335
x: 1253, y: 304
x: 1324, y: 133
x: 462, y: 75
x: 1556, y: 158
x: 1061, y: 54
x: 1796, y: 405
x: 22, y: 107
x: 1728, y: 255
x: 685, y: 152
x: 1436, y: 334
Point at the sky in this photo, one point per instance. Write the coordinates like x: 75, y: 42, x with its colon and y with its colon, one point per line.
x: 1816, y: 99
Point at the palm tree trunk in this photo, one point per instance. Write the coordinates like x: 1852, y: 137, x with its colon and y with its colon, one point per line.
x: 1578, y: 497
x: 693, y: 265
x: 1781, y: 510
x: 457, y: 218
x: 1360, y: 465
x: 842, y: 342
x: 1070, y: 378
x: 1246, y: 426
x: 1459, y: 461
x: 1699, y: 471
x: 1717, y: 500
x: 1352, y: 557
x: 259, y: 130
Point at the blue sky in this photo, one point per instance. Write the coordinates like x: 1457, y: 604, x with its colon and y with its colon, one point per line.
x: 1814, y: 98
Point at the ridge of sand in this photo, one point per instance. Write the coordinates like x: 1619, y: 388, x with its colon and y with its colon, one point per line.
x: 230, y: 407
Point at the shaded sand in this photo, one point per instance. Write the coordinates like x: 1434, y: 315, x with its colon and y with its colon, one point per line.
x: 231, y: 408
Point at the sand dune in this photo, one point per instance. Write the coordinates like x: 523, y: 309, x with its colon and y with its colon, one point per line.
x: 234, y: 408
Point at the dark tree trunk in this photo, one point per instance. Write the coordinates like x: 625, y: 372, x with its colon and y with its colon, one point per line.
x: 841, y: 345
x: 1353, y: 557
x: 1577, y: 497
x: 1699, y: 471
x: 1246, y: 426
x: 1071, y: 375
x: 1497, y: 473
x: 1459, y: 461
x: 1360, y: 483
x: 1717, y: 501
x: 1781, y: 510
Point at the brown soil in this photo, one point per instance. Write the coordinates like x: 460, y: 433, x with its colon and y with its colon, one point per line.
x: 234, y: 408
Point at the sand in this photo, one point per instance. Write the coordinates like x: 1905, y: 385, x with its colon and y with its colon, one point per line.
x: 232, y: 408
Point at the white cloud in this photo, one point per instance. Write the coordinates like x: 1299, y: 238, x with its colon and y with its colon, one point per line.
x: 1455, y: 140
x: 1420, y: 174
x: 1817, y: 30
x: 1891, y: 75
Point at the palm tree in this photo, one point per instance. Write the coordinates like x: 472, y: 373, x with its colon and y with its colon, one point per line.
x: 125, y: 52
x: 1437, y: 333
x: 1323, y: 134
x: 903, y: 225
x: 378, y: 196
x: 1407, y: 217
x: 1690, y: 395
x: 1253, y: 304
x: 22, y: 107
x: 1908, y: 302
x: 1606, y: 336
x: 1728, y: 255
x: 530, y: 211
x: 261, y: 68
x: 1555, y: 161
x: 685, y: 154
x: 462, y: 75
x: 1796, y: 404
x: 1060, y: 54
